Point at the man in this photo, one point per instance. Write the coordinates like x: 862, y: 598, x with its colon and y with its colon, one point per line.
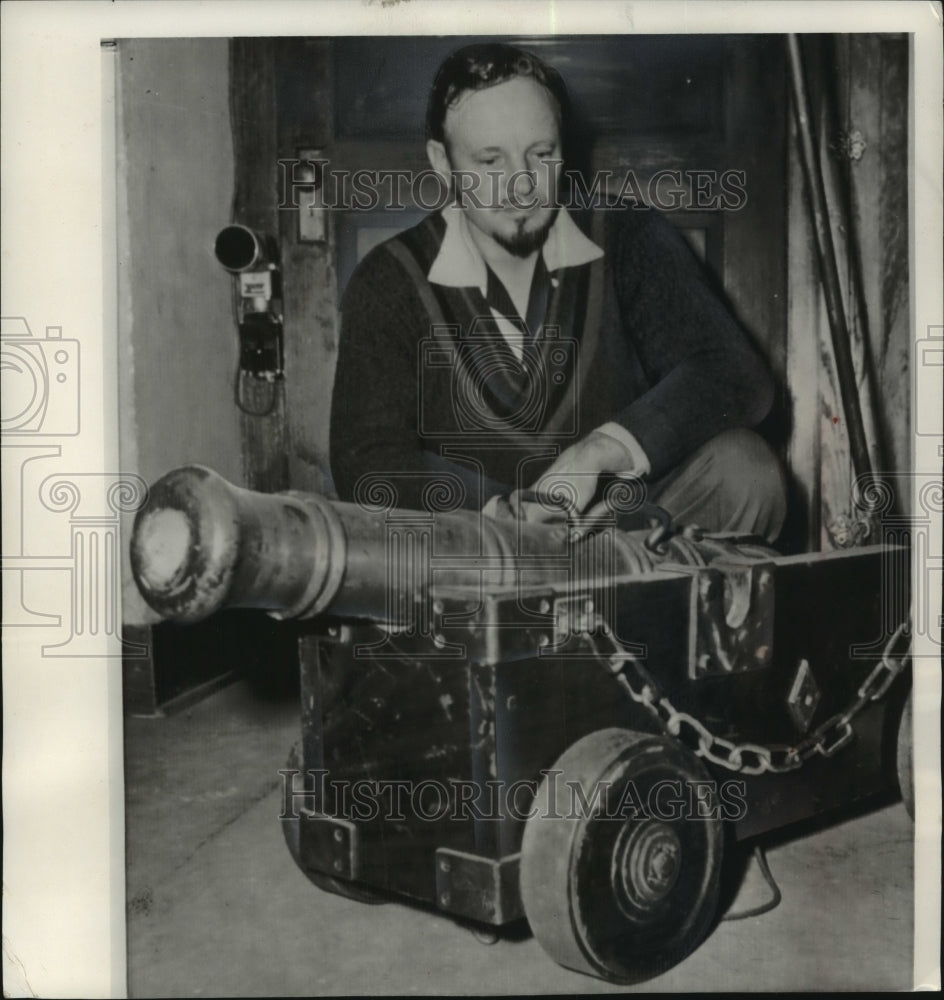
x: 500, y: 347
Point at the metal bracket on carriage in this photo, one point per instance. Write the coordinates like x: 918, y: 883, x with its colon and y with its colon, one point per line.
x: 734, y: 626
x: 576, y: 617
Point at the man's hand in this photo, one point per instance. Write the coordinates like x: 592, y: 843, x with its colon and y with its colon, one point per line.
x: 501, y: 508
x: 572, y: 478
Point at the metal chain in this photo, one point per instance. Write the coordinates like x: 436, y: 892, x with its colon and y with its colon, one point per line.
x: 836, y: 732
x: 753, y: 758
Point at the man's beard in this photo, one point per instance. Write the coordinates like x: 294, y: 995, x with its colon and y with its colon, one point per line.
x: 524, y: 242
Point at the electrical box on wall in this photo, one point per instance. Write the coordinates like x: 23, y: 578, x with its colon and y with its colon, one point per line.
x: 260, y: 345
x: 256, y: 285
x: 309, y: 196
x: 252, y: 258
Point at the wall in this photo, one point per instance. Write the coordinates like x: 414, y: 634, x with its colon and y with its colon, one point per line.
x: 177, y: 339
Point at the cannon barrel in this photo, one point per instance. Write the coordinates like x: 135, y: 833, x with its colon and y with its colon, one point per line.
x: 201, y: 544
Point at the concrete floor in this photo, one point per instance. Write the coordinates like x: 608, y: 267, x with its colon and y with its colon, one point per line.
x: 216, y: 906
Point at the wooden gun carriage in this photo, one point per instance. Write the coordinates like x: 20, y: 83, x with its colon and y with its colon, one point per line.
x: 502, y: 721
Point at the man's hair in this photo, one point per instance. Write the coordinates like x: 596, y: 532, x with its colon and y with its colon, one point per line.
x: 476, y: 67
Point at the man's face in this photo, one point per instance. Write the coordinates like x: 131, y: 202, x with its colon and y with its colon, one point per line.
x: 503, y: 150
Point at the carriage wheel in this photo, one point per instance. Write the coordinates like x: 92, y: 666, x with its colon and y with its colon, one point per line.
x: 615, y: 890
x: 327, y: 883
x: 904, y: 758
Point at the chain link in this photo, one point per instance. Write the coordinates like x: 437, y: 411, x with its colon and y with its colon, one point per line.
x: 753, y: 758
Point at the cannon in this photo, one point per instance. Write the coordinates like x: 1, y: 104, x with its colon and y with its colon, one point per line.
x: 506, y: 720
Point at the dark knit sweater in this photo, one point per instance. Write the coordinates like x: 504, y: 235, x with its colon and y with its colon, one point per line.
x: 642, y: 340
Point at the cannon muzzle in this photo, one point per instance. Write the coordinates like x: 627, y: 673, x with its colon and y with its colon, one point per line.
x: 201, y: 544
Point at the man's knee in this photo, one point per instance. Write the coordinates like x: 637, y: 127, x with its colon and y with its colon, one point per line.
x: 734, y: 482
x: 740, y: 456
x: 746, y: 470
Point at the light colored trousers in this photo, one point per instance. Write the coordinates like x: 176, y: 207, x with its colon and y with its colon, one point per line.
x: 734, y: 482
